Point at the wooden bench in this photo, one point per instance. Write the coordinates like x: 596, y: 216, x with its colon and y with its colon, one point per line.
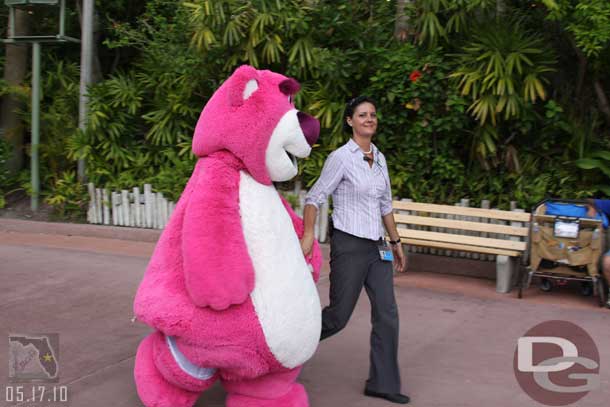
x: 476, y: 230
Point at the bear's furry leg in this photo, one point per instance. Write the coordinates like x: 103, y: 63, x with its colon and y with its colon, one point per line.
x: 272, y: 390
x: 152, y: 385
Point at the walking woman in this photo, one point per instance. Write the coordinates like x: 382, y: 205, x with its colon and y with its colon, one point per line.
x: 356, y: 175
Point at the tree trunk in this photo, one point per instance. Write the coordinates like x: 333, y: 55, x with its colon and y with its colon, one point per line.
x: 581, y: 73
x: 582, y: 70
x: 96, y: 73
x: 14, y: 72
x: 500, y: 8
x: 401, y: 26
x: 602, y: 99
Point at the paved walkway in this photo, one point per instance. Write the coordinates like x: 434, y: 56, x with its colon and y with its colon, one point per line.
x: 456, y: 345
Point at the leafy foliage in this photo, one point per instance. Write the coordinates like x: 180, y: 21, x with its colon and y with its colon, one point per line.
x: 598, y: 161
x: 69, y: 198
x: 587, y: 20
x: 422, y: 124
x: 475, y: 105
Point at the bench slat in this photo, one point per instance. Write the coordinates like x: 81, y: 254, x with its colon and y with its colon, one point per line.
x: 457, y: 210
x: 452, y: 246
x: 461, y: 239
x: 462, y: 225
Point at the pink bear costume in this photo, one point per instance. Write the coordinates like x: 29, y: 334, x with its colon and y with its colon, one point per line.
x: 227, y: 290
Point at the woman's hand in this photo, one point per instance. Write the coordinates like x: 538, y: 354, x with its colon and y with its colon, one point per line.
x: 307, y: 244
x: 400, y: 260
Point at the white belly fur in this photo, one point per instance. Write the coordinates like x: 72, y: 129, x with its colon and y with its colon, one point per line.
x: 285, y: 296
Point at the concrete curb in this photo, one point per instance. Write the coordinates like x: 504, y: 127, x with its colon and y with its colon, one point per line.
x: 79, y: 229
x: 87, y: 230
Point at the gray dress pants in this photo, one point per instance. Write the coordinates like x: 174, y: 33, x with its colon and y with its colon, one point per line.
x: 355, y: 262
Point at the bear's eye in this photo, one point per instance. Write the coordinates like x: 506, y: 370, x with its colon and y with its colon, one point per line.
x: 290, y: 99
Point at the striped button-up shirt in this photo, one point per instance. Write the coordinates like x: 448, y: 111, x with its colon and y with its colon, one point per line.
x: 361, y: 193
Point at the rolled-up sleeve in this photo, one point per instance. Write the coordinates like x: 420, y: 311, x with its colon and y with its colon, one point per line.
x: 386, y: 199
x: 331, y: 175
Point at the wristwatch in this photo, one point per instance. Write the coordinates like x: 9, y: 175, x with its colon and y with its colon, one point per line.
x: 394, y: 242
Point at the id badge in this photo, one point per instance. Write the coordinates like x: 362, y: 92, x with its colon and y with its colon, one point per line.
x: 385, y: 253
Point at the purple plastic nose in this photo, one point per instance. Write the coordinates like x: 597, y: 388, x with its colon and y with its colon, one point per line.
x: 310, y: 126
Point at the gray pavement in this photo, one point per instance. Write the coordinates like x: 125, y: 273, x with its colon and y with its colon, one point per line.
x: 457, y: 335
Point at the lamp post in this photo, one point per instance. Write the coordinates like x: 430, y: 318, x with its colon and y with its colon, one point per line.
x: 36, y: 40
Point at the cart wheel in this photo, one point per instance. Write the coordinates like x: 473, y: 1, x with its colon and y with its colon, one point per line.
x: 546, y: 285
x: 602, y: 292
x: 586, y: 288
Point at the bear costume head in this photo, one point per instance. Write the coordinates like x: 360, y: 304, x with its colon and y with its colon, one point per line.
x: 232, y: 120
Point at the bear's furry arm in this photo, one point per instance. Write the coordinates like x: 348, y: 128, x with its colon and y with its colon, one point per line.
x: 315, y: 257
x: 218, y: 270
x: 158, y: 305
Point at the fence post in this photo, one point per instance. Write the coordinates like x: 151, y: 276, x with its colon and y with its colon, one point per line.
x: 125, y: 206
x: 106, y: 203
x: 113, y: 208
x: 148, y: 205
x: 136, y: 208
x: 119, y: 207
x: 91, y: 212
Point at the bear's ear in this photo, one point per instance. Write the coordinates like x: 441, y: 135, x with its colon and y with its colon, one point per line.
x: 243, y: 85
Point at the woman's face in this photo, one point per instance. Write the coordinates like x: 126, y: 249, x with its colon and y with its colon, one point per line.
x: 364, y: 120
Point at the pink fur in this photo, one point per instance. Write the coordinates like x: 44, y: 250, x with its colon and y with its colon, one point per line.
x: 169, y: 369
x: 231, y: 339
x: 244, y: 129
x: 273, y: 390
x: 153, y: 389
x: 198, y: 282
x: 213, y: 238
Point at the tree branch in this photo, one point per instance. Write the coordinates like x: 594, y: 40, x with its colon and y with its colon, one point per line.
x: 602, y: 99
x: 401, y: 26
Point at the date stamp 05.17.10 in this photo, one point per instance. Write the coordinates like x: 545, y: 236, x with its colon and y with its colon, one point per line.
x: 34, y: 372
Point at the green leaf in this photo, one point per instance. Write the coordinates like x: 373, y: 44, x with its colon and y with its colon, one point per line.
x: 603, y: 154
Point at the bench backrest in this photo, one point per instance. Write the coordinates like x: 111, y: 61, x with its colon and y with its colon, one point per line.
x: 462, y: 231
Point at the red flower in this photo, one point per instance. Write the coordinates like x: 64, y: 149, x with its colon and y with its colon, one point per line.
x: 415, y: 75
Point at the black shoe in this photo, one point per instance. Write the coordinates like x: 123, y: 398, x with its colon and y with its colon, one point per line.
x: 393, y: 397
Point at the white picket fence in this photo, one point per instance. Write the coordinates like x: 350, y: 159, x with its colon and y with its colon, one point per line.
x: 150, y: 209
x: 145, y: 209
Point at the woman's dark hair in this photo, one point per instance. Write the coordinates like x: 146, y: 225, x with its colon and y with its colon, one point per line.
x: 351, y: 106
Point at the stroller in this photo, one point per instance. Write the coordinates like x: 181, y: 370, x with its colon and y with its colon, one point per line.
x: 565, y: 245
